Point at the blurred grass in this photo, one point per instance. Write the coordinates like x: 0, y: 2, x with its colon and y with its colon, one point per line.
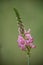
x: 32, y: 16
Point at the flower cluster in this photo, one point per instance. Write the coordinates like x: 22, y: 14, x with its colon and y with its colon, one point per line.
x: 26, y: 41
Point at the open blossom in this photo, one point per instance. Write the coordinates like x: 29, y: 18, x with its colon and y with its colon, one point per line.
x: 25, y: 41
x: 21, y: 42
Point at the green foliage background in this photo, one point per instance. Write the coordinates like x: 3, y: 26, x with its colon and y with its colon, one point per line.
x: 32, y: 16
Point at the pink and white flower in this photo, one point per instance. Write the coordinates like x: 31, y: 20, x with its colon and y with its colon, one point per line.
x: 25, y: 41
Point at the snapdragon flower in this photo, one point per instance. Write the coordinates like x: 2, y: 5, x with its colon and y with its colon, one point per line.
x: 26, y: 41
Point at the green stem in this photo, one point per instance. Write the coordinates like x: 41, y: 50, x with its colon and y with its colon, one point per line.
x: 28, y: 60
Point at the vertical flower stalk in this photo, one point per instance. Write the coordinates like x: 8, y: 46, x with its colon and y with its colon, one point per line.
x: 28, y: 60
x: 25, y: 40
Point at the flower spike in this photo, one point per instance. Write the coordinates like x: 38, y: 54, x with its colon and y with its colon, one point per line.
x: 20, y: 24
x: 25, y: 40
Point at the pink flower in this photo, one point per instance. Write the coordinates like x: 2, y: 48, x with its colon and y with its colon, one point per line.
x: 21, y: 42
x: 22, y: 47
x: 32, y: 45
x: 29, y: 38
x: 25, y: 41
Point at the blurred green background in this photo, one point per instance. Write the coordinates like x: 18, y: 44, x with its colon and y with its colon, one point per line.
x: 32, y: 16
